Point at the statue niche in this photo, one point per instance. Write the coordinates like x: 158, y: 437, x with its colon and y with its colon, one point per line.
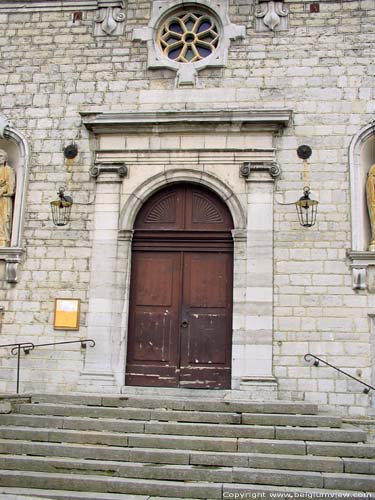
x: 7, y: 192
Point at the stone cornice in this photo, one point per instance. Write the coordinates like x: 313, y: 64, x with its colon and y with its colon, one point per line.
x: 20, y: 6
x: 107, y: 122
x: 361, y: 257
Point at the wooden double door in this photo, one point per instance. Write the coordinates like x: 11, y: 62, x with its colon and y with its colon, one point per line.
x: 180, y: 320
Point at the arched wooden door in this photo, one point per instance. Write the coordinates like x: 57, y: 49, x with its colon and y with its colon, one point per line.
x: 180, y: 320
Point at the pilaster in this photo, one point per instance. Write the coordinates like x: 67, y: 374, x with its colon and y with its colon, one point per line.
x: 104, y: 310
x: 252, y: 349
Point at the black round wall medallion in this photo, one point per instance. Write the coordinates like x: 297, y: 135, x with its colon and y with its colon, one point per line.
x: 71, y: 151
x: 304, y: 152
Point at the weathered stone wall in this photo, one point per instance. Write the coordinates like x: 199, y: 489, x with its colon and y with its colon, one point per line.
x: 321, y: 68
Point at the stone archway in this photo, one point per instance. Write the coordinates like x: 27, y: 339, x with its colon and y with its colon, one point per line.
x: 180, y: 315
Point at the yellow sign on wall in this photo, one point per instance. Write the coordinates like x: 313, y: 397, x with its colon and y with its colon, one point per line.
x: 67, y: 314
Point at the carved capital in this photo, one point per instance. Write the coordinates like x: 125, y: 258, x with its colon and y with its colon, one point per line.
x: 109, y: 20
x: 271, y: 15
x: 247, y: 169
x: 118, y: 168
x: 126, y: 235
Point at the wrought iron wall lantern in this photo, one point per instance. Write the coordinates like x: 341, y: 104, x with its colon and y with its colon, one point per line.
x: 61, y: 208
x: 307, y: 208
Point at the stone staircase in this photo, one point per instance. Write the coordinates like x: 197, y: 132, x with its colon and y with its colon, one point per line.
x: 106, y: 447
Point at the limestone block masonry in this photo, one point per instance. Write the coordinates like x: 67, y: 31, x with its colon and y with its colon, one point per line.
x: 296, y: 290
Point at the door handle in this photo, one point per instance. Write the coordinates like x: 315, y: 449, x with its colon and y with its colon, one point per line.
x: 184, y: 324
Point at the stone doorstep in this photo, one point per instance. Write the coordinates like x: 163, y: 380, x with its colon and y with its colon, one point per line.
x: 76, y: 451
x: 127, y: 413
x: 265, y: 491
x: 268, y: 492
x: 354, y: 450
x: 160, y: 439
x: 180, y: 403
x: 180, y: 489
x: 107, y: 484
x: 291, y: 420
x: 192, y: 461
x: 179, y: 416
x: 188, y: 472
x: 135, y: 427
x: 35, y: 494
x: 262, y: 446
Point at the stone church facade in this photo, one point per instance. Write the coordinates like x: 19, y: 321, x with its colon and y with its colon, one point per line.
x: 184, y: 247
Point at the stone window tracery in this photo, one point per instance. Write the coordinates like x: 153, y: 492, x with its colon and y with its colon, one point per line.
x: 188, y: 37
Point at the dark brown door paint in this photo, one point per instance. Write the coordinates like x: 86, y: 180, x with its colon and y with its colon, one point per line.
x: 180, y: 319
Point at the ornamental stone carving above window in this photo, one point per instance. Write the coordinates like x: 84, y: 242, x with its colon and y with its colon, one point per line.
x: 188, y: 37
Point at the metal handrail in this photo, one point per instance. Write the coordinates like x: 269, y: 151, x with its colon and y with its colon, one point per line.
x: 29, y: 346
x: 308, y: 357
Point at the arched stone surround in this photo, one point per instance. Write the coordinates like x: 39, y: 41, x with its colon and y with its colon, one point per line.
x: 149, y: 187
x: 361, y: 157
x: 15, y: 143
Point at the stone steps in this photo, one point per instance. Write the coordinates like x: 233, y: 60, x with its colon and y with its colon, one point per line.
x: 252, y: 491
x: 178, y: 448
x: 197, y: 470
x: 297, y: 451
x: 183, y: 428
x: 36, y: 494
x: 174, y: 403
x: 197, y: 489
x: 185, y: 441
x: 304, y: 420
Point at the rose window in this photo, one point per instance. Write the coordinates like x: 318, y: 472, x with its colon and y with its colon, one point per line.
x: 188, y: 37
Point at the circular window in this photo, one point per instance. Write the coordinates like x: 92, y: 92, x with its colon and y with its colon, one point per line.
x: 188, y: 37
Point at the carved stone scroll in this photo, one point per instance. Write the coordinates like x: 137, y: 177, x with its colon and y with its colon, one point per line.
x: 271, y: 15
x: 118, y: 168
x: 109, y: 20
x: 248, y: 168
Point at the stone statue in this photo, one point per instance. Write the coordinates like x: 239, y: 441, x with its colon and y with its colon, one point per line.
x: 7, y: 190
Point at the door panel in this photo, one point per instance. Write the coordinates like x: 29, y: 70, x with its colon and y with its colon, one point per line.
x: 206, y: 308
x: 153, y: 344
x: 205, y: 275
